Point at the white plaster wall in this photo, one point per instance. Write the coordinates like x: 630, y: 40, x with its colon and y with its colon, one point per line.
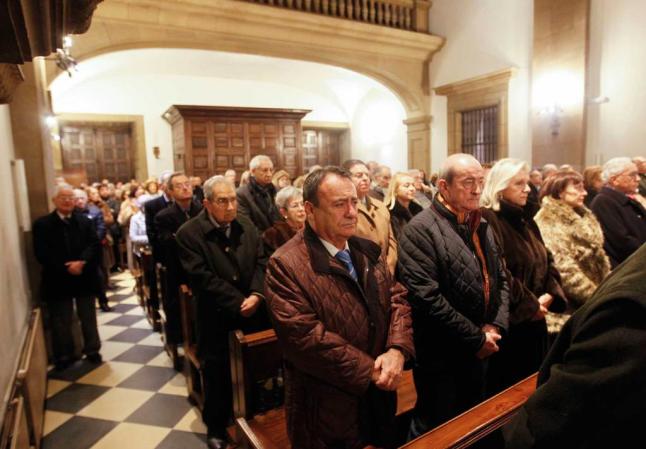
x: 14, y: 293
x: 617, y: 70
x: 483, y: 36
x: 144, y: 82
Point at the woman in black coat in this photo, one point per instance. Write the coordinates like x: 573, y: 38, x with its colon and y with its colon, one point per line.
x: 534, y: 282
x: 400, y: 201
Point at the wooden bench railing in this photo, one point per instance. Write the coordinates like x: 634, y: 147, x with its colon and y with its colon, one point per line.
x: 192, y: 365
x: 151, y: 298
x: 23, y: 422
x: 411, y: 15
x: 163, y: 294
x: 478, y: 422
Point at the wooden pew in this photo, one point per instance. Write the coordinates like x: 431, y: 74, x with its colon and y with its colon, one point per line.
x: 192, y: 366
x: 257, y: 365
x: 151, y: 299
x: 478, y: 422
x: 162, y: 290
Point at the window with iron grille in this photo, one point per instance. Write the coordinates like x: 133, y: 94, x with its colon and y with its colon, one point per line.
x: 480, y: 133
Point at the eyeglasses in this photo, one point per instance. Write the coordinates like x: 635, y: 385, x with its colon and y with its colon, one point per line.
x: 182, y: 184
x: 471, y: 183
x: 224, y: 202
x: 632, y: 174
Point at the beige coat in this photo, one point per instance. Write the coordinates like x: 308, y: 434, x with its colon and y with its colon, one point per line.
x: 577, y: 245
x: 374, y: 224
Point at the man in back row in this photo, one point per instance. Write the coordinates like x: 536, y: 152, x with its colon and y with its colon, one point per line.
x: 256, y: 199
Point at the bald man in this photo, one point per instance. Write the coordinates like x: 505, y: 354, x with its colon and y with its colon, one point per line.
x: 459, y: 294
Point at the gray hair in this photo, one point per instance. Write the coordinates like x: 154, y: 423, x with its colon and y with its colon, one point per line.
x: 255, y: 162
x: 63, y: 186
x: 165, y: 176
x: 78, y: 193
x: 213, y: 181
x: 498, y: 180
x: 614, y: 167
x: 285, y: 194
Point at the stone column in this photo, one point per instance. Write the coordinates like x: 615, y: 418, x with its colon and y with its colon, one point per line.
x: 31, y: 136
x: 419, y: 142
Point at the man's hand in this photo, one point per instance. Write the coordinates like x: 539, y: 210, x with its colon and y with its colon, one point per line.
x: 489, y: 346
x: 390, y: 364
x: 75, y: 267
x: 249, y: 305
x: 544, y: 302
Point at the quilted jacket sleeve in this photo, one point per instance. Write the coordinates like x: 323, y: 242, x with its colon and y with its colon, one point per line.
x: 419, y: 273
x: 400, y: 333
x: 307, y: 344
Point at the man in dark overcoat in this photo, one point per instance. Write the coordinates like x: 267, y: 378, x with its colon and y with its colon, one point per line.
x: 223, y: 257
x: 256, y: 199
x: 67, y: 247
x: 459, y: 294
x: 342, y: 321
x: 591, y: 388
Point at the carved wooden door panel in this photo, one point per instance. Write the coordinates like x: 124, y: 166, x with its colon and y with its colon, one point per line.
x: 100, y: 151
x: 229, y: 146
x: 321, y: 147
x: 310, y: 149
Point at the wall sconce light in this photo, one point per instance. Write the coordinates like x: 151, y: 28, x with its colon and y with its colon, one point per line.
x: 156, y: 152
x: 554, y: 113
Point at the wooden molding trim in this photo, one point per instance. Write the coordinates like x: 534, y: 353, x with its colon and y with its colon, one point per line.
x: 10, y: 77
x: 476, y: 83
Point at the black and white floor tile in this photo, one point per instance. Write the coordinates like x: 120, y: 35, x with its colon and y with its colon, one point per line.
x: 134, y: 399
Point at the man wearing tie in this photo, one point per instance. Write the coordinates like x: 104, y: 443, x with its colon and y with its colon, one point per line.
x: 343, y: 323
x: 67, y: 247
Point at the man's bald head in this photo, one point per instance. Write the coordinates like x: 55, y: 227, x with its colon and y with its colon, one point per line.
x: 457, y: 162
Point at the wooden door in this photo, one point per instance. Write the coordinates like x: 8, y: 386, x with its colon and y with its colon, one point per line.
x: 321, y: 147
x: 101, y: 151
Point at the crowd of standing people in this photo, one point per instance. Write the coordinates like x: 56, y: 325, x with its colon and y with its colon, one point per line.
x: 466, y: 277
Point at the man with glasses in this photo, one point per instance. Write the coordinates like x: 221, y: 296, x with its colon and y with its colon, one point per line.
x: 453, y: 269
x: 67, y: 246
x: 167, y: 222
x: 223, y: 257
x: 622, y: 217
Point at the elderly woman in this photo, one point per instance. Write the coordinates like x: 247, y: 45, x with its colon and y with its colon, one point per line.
x: 281, y: 179
x: 573, y: 235
x: 290, y: 205
x: 400, y: 200
x: 592, y: 182
x: 535, y: 283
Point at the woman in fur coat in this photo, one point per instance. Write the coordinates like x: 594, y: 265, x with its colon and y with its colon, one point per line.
x: 573, y: 235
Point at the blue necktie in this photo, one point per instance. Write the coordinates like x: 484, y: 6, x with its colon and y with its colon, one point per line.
x: 344, y: 257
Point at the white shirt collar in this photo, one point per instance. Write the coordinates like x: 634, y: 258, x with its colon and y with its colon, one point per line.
x: 63, y: 217
x: 331, y: 248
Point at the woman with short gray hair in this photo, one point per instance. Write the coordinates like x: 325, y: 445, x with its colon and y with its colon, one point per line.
x: 289, y: 201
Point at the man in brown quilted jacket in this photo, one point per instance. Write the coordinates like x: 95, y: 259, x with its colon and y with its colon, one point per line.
x: 343, y: 322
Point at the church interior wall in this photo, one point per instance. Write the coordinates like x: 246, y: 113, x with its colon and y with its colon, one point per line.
x: 616, y: 69
x: 334, y: 95
x: 14, y: 288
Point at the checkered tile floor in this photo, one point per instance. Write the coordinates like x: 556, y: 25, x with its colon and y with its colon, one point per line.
x: 134, y: 399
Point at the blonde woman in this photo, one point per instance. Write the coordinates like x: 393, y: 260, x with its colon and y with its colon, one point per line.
x: 400, y: 201
x: 535, y: 284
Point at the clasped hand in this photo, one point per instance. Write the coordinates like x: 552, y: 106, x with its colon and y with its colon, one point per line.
x: 388, y: 369
x: 75, y: 267
x: 249, y: 305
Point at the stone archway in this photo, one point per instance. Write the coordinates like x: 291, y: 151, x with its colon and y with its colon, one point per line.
x: 398, y: 59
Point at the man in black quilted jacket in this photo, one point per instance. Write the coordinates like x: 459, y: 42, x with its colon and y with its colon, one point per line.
x: 458, y: 292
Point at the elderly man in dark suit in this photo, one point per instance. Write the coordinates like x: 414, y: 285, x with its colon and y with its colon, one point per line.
x: 223, y: 256
x: 256, y: 199
x: 67, y: 247
x: 622, y: 217
x: 153, y: 207
x: 167, y: 222
x: 591, y: 390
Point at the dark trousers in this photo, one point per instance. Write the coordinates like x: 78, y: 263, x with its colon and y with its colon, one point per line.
x: 61, y: 314
x: 218, y: 402
x: 443, y: 394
